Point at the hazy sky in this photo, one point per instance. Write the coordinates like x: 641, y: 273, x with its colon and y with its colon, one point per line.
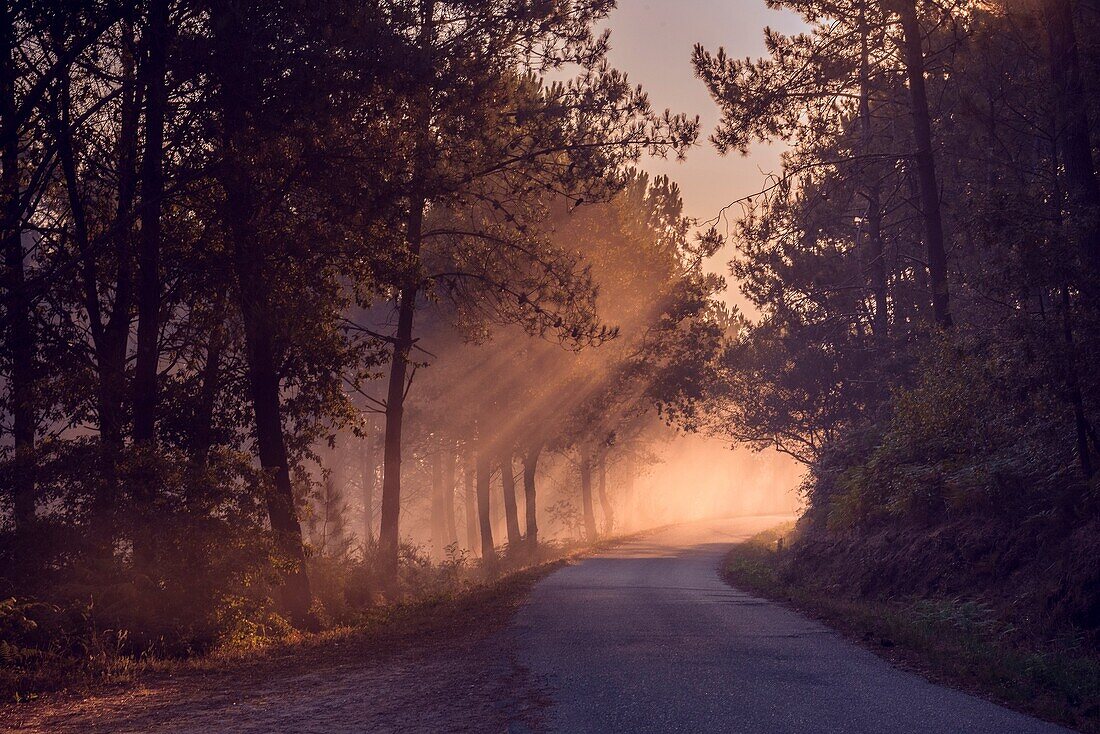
x: 652, y: 42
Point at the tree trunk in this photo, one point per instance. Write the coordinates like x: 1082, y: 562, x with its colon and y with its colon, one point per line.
x: 530, y: 467
x: 925, y: 163
x: 148, y: 294
x: 630, y: 496
x: 263, y: 380
x: 152, y: 192
x: 449, y: 461
x: 369, y: 477
x: 1082, y: 186
x: 395, y: 413
x: 108, y: 340
x: 439, y: 541
x: 496, y: 517
x: 872, y: 192
x: 111, y: 352
x: 233, y: 48
x: 605, y: 499
x: 511, y: 510
x: 880, y: 324
x: 201, y: 437
x: 20, y: 333
x: 590, y: 533
x: 471, y: 507
x: 1081, y: 424
x: 1082, y: 427
x: 389, y: 532
x: 920, y: 305
x: 203, y: 430
x: 484, y: 470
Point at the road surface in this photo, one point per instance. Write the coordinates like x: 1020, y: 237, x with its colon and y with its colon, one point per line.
x: 645, y: 638
x: 648, y: 638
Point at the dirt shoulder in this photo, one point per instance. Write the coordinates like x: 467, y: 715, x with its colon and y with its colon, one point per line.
x: 947, y: 640
x: 436, y: 665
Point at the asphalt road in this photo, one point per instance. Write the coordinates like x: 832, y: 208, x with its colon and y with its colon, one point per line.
x: 645, y: 638
x: 648, y: 638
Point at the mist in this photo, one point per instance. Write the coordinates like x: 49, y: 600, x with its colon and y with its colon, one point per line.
x: 599, y: 422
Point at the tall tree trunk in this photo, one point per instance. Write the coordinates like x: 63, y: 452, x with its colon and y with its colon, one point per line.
x: 20, y: 332
x: 880, y: 324
x: 530, y: 468
x: 369, y: 477
x: 439, y: 541
x: 496, y: 517
x: 1081, y: 424
x: 511, y: 510
x: 471, y: 506
x: 152, y: 193
x: 201, y: 438
x: 203, y: 430
x: 263, y: 380
x: 111, y: 351
x: 389, y: 532
x: 605, y: 499
x: 1082, y: 186
x: 233, y: 49
x: 630, y: 497
x: 587, y: 508
x: 872, y: 192
x: 148, y: 295
x: 108, y: 340
x: 925, y: 163
x: 484, y: 471
x: 1082, y: 427
x: 449, y: 461
x: 921, y: 306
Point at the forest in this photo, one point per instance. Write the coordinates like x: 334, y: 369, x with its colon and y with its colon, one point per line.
x: 313, y: 308
x: 926, y: 271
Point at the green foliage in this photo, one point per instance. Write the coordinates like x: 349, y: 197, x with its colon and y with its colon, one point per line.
x: 845, y: 366
x: 963, y: 640
x: 564, y: 514
x: 965, y: 616
x: 222, y: 598
x: 958, y: 442
x: 18, y: 625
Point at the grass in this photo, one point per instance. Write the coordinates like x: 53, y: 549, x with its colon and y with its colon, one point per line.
x: 480, y: 603
x: 955, y: 641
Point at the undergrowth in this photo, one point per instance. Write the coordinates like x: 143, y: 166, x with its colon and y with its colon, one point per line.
x: 49, y: 646
x: 955, y: 640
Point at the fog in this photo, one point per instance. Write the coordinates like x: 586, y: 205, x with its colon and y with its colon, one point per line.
x: 696, y: 478
x: 678, y: 478
x: 601, y: 407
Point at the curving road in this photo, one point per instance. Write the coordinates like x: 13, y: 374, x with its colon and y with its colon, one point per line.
x: 648, y: 638
x: 645, y: 638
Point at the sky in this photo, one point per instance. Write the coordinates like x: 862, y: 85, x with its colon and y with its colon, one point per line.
x: 652, y: 41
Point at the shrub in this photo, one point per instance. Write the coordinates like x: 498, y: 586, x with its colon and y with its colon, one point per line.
x: 956, y: 442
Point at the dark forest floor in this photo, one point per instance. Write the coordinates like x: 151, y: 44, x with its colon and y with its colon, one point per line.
x: 437, y: 659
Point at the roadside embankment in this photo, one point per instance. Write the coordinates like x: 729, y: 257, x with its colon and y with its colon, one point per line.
x: 894, y: 595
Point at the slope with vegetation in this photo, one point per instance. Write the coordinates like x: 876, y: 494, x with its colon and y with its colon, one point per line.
x: 925, y: 272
